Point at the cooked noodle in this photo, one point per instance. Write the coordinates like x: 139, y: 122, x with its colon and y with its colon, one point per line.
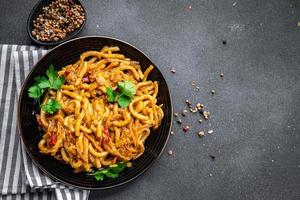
x: 89, y: 131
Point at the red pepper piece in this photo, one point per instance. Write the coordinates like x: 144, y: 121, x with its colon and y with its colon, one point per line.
x: 67, y: 72
x: 85, y: 79
x: 107, y: 136
x: 53, y: 139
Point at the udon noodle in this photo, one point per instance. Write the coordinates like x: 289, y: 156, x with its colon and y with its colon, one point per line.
x: 89, y: 131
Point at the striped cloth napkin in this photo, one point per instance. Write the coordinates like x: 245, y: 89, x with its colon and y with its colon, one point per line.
x: 19, y: 177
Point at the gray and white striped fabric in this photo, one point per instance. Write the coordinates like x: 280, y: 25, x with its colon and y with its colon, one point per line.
x: 19, y: 177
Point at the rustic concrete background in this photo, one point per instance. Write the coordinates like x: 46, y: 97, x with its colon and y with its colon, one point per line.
x: 255, y: 111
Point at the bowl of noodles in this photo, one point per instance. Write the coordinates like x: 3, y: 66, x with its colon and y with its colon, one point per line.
x: 94, y: 113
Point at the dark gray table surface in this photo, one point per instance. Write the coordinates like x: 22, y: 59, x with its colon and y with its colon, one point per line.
x: 255, y: 110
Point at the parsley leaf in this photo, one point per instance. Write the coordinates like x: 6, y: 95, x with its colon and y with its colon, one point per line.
x: 99, y: 177
x: 35, y: 92
x: 112, y: 172
x: 127, y: 88
x: 124, y: 100
x: 111, y: 94
x: 51, y: 73
x: 118, y: 168
x: 126, y: 92
x: 58, y: 83
x: 55, y: 81
x: 51, y: 106
x: 42, y: 82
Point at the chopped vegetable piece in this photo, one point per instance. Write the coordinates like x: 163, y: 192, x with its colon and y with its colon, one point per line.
x: 107, y: 136
x: 53, y: 139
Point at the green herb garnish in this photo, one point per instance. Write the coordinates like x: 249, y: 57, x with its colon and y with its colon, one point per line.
x: 111, y: 94
x: 52, y: 81
x: 112, y: 172
x: 127, y: 88
x: 51, y: 106
x: 35, y: 92
x: 126, y: 92
x: 42, y: 82
x: 124, y: 100
x: 55, y: 82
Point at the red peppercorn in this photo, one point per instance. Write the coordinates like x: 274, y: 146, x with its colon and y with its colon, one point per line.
x: 186, y: 129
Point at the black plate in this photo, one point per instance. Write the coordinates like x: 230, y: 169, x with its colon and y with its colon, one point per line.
x: 61, y: 56
x: 37, y: 10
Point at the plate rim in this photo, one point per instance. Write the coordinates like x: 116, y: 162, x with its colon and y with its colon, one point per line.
x: 20, y: 132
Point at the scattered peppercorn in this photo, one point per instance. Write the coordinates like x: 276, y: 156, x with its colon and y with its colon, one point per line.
x: 200, y: 111
x: 193, y: 110
x: 184, y: 113
x: 224, y: 42
x: 194, y: 85
x: 188, y: 102
x: 186, y: 128
x: 179, y: 121
x: 57, y: 20
x: 206, y: 115
x: 201, y: 133
x: 212, y: 157
x: 212, y: 91
x: 175, y: 114
x: 200, y: 106
x: 173, y: 70
x: 221, y: 75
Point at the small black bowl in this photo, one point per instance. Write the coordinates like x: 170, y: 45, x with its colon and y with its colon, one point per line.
x: 30, y: 135
x: 37, y: 9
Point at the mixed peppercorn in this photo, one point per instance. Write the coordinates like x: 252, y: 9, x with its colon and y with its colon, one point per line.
x: 193, y: 108
x: 57, y: 20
